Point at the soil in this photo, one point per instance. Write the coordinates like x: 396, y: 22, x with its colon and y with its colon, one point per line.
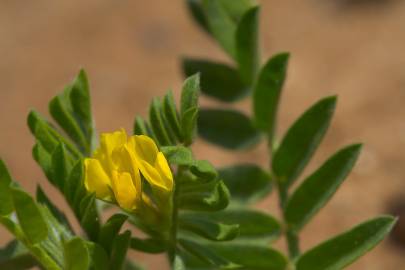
x: 132, y: 50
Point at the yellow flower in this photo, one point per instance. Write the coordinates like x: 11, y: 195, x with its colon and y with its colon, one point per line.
x: 114, y: 172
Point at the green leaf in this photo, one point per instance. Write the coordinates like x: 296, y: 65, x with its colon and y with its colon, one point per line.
x: 157, y: 124
x: 206, y: 254
x: 250, y: 256
x: 130, y: 265
x: 15, y: 256
x: 211, y: 196
x: 267, y: 92
x: 61, y: 166
x: 171, y: 115
x: 204, y: 170
x: 227, y: 128
x: 178, y: 155
x: 189, y: 94
x: 254, y: 225
x: 237, y: 9
x: 46, y: 134
x: 247, y: 45
x: 319, y: 187
x: 189, y: 125
x: 29, y: 216
x: 6, y: 205
x: 89, y: 218
x: 44, y: 160
x: 207, y: 228
x: 301, y: 141
x: 99, y: 257
x: 221, y: 25
x: 76, y: 254
x: 248, y: 183
x: 110, y: 230
x: 342, y: 250
x: 80, y: 98
x: 218, y: 80
x: 43, y: 199
x: 119, y: 250
x: 197, y: 11
x: 178, y: 263
x: 149, y: 245
x: 74, y: 187
x: 141, y: 127
x: 61, y: 111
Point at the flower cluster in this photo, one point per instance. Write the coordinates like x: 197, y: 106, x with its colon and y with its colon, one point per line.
x: 119, y: 167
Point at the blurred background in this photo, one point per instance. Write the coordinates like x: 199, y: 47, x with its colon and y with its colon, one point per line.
x: 132, y: 50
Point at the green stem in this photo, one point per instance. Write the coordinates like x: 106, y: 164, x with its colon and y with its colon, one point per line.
x: 291, y: 236
x: 173, y: 230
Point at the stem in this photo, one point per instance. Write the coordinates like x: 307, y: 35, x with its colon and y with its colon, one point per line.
x: 291, y: 236
x: 175, y: 213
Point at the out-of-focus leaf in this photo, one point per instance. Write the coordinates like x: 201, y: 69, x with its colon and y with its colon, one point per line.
x: 149, y: 245
x: 319, y: 187
x: 247, y: 183
x: 247, y: 45
x: 110, y: 230
x: 29, y: 216
x: 206, y: 254
x: 301, y: 141
x: 218, y: 80
x: 254, y: 225
x: 16, y: 257
x: 119, y: 250
x: 6, y: 205
x: 267, y: 91
x: 221, y: 25
x: 250, y: 256
x: 227, y: 128
x: 211, y: 196
x: 76, y: 254
x: 342, y: 250
x: 236, y: 9
x: 208, y: 229
x: 196, y: 10
x: 98, y: 257
x: 178, y: 263
x: 204, y: 170
x: 178, y: 155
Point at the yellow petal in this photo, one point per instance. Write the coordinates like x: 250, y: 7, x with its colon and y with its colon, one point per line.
x: 95, y: 179
x: 109, y: 142
x: 163, y: 168
x: 145, y: 148
x: 124, y: 190
x: 152, y: 175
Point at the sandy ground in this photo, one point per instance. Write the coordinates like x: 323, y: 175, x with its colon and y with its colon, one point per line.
x: 131, y: 50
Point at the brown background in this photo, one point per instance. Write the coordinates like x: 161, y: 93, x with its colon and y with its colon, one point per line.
x: 131, y: 51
